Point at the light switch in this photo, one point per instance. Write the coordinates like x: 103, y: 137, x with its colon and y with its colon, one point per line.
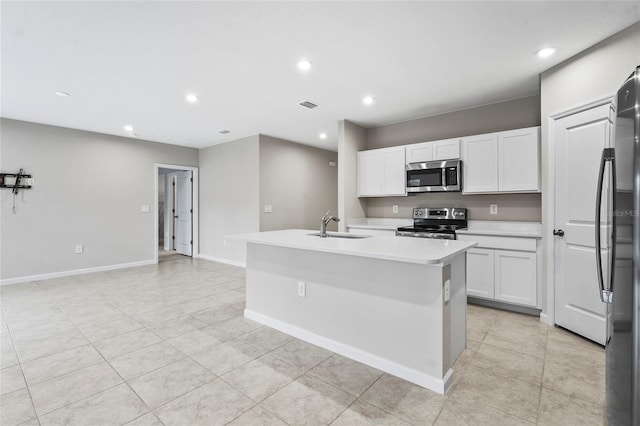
x: 144, y: 208
x: 268, y: 208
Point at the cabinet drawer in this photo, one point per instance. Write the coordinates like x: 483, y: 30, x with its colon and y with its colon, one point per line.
x: 495, y: 242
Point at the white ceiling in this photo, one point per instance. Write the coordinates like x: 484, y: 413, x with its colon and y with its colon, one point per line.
x: 134, y: 62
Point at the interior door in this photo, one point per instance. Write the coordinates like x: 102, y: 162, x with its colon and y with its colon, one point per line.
x: 184, y: 212
x: 579, y: 140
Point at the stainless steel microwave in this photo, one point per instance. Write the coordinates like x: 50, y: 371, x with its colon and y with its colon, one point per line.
x: 434, y: 176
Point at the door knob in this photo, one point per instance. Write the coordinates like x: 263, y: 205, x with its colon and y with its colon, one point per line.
x: 559, y: 232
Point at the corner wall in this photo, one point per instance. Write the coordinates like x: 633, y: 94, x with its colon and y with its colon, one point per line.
x: 229, y: 197
x: 351, y: 139
x: 299, y: 184
x: 89, y: 189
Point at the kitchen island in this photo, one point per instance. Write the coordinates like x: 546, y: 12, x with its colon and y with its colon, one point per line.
x: 397, y: 304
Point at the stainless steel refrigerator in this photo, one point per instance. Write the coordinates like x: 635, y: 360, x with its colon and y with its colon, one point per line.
x: 619, y: 273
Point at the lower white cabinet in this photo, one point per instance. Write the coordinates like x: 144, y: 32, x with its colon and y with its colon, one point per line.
x: 515, y: 277
x: 480, y: 273
x: 503, y: 269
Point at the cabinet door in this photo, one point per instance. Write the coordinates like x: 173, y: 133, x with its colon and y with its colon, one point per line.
x: 369, y: 173
x: 479, y: 163
x: 516, y: 277
x: 419, y: 152
x: 480, y: 273
x: 519, y: 160
x: 394, y: 174
x: 446, y: 150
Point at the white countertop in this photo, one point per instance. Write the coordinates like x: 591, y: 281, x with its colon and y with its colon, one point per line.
x: 400, y: 249
x: 503, y: 228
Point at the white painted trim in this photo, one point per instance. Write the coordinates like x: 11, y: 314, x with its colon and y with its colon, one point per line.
x: 548, y: 222
x: 223, y: 260
x: 40, y: 277
x: 583, y: 107
x: 409, y: 374
x: 195, y: 252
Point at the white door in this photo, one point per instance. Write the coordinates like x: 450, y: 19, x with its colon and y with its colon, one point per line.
x: 579, y: 140
x: 184, y: 213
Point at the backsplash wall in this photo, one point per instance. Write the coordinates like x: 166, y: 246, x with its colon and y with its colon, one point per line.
x: 511, y: 207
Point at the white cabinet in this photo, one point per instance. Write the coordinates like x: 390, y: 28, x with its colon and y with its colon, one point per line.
x: 480, y: 163
x: 480, y: 273
x: 519, y: 160
x: 502, y: 162
x: 433, y: 151
x: 381, y: 172
x: 515, y: 277
x: 503, y: 269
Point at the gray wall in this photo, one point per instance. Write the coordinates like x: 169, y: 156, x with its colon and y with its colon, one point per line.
x: 351, y: 139
x: 89, y: 188
x: 508, y: 115
x: 297, y: 181
x: 229, y: 197
x: 520, y: 207
x: 591, y: 75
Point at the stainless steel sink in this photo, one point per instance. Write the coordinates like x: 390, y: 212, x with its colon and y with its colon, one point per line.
x: 336, y: 235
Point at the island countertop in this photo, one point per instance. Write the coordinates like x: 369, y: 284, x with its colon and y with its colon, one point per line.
x: 399, y: 249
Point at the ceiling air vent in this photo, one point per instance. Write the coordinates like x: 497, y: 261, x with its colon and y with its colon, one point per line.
x: 224, y: 131
x: 307, y: 104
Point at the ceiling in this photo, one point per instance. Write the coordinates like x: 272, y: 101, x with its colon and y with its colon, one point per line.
x: 132, y: 63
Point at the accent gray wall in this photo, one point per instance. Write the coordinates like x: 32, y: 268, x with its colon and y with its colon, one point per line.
x: 351, y: 139
x: 514, y: 114
x: 593, y: 74
x: 297, y: 181
x: 88, y: 190
x: 229, y: 197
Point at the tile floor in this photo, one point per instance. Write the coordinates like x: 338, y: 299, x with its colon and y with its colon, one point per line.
x: 167, y: 344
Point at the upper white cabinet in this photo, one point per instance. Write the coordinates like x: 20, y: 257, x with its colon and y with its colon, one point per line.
x: 381, y: 172
x: 433, y: 151
x: 502, y: 162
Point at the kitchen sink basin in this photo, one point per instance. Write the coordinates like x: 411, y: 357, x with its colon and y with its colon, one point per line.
x: 336, y: 235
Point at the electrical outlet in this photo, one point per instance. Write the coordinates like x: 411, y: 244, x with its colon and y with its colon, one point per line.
x: 144, y: 208
x: 302, y: 289
x: 395, y: 208
x: 493, y: 209
x: 79, y: 249
x: 268, y: 208
x: 447, y: 291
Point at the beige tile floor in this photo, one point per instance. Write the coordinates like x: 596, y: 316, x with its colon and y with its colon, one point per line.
x: 167, y: 344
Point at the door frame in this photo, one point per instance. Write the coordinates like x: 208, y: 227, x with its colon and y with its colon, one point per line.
x: 195, y: 252
x: 548, y: 223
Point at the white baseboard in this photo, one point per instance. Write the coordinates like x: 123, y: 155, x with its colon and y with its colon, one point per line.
x: 223, y: 260
x: 545, y: 319
x: 40, y: 277
x: 433, y: 383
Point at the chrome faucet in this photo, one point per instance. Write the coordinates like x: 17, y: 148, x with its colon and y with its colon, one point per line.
x: 323, y: 223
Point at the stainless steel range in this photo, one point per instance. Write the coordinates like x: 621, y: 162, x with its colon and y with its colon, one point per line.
x: 439, y: 223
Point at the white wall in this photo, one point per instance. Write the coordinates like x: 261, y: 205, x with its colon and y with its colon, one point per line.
x: 593, y: 74
x: 89, y: 188
x: 229, y: 197
x: 299, y: 184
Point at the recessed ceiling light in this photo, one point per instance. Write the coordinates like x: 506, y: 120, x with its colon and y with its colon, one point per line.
x: 128, y: 128
x: 367, y: 100
x: 304, y: 65
x: 322, y: 135
x: 192, y: 98
x: 63, y: 94
x: 545, y: 52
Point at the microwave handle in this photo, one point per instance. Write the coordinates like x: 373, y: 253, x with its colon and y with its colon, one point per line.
x: 444, y: 177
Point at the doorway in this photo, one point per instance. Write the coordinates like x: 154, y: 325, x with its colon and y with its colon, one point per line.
x: 176, y: 220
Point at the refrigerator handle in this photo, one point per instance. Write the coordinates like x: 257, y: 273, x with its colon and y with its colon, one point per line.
x: 608, y: 154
